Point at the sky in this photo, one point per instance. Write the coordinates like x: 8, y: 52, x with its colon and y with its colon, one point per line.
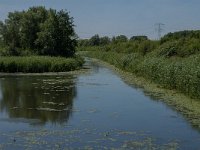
x: 119, y: 17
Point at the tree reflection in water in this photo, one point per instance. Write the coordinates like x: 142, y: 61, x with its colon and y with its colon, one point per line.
x: 47, y: 98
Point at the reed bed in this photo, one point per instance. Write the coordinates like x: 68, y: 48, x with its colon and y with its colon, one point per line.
x: 39, y: 64
x: 181, y: 74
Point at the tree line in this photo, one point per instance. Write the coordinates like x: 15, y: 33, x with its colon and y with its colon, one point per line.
x: 96, y: 40
x: 181, y: 44
x: 119, y: 44
x: 38, y: 31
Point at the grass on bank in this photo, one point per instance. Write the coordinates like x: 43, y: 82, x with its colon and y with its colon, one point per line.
x: 181, y: 74
x: 39, y: 64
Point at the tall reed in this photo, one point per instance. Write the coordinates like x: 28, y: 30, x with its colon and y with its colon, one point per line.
x: 39, y: 64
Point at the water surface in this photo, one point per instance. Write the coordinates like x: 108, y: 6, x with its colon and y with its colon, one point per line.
x: 90, y: 110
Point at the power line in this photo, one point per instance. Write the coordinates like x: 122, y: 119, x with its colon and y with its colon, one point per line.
x: 159, y: 28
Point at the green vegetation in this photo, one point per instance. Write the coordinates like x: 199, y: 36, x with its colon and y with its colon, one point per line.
x: 119, y: 44
x: 172, y: 62
x: 38, y: 31
x: 39, y: 64
x: 28, y: 37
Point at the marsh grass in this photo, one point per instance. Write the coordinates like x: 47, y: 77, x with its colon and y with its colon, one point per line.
x: 39, y: 64
x: 181, y: 74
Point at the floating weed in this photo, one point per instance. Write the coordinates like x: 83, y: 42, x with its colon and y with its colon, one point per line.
x: 88, y: 148
x: 34, y: 83
x: 149, y: 144
x: 61, y: 104
x: 61, y: 139
x: 170, y: 146
x: 1, y: 146
x: 49, y: 103
x: 95, y: 97
x: 46, y: 93
x: 53, y: 103
x: 15, y: 108
x: 127, y: 133
x: 133, y: 144
x: 93, y: 110
x: 114, y: 115
x: 85, y: 120
x: 112, y: 139
x: 50, y: 109
x: 60, y: 90
x: 93, y: 142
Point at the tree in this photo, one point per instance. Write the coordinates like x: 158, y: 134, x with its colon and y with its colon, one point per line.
x: 30, y: 26
x: 11, y: 29
x: 83, y: 42
x: 104, y: 40
x: 139, y: 38
x: 46, y: 41
x: 94, y: 40
x: 57, y: 35
x: 10, y: 32
x: 120, y: 38
x: 66, y: 34
x: 1, y: 32
x: 40, y: 31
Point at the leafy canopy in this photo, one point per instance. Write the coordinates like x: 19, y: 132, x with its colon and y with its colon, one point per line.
x: 39, y: 31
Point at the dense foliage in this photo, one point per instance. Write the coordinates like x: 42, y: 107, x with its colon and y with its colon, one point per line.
x: 172, y: 63
x: 94, y: 41
x: 39, y: 64
x: 180, y: 35
x: 38, y: 31
x: 183, y: 44
x: 179, y: 44
x: 120, y: 44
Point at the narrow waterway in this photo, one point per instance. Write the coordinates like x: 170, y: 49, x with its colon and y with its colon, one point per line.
x: 94, y: 109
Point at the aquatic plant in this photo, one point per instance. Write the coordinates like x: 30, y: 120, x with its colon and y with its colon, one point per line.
x: 39, y: 64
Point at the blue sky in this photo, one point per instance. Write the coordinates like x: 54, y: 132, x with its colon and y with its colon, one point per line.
x: 115, y: 17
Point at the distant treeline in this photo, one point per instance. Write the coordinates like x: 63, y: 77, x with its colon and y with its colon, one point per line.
x: 96, y: 40
x: 172, y: 62
x: 182, y: 44
x: 38, y: 31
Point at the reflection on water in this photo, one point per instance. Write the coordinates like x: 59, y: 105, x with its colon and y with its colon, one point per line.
x: 49, y: 98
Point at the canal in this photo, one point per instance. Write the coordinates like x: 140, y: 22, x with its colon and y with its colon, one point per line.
x: 94, y: 109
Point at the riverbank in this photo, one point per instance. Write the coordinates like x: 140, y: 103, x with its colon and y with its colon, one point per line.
x: 187, y: 106
x: 39, y: 64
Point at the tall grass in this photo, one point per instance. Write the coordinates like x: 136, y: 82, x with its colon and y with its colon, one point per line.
x: 39, y: 64
x: 181, y: 74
